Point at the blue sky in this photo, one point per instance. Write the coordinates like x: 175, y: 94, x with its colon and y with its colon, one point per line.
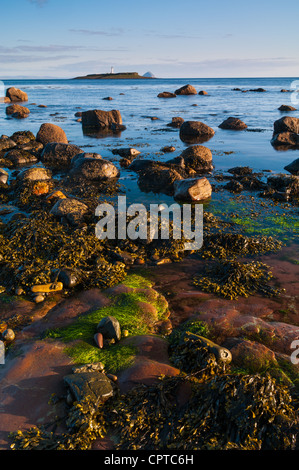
x: 170, y: 38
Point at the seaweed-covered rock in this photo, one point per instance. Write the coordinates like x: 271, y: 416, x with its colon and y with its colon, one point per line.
x: 285, y: 107
x: 59, y: 155
x: 70, y: 208
x: 35, y: 174
x: 158, y: 178
x: 93, y: 168
x: 94, y: 385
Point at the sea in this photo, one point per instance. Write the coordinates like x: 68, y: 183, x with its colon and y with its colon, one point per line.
x: 138, y: 104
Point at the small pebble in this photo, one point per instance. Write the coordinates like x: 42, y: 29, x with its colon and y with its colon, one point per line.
x: 8, y: 335
x: 39, y: 298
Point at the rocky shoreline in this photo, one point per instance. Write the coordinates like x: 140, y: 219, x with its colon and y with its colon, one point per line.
x: 100, y: 325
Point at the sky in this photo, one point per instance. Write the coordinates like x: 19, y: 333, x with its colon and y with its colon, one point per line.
x: 170, y: 38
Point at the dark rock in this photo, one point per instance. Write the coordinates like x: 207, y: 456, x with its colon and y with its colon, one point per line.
x: 202, y: 92
x: 58, y: 155
x: 93, y: 385
x: 234, y: 186
x: 93, y: 168
x: 7, y: 143
x: 258, y: 90
x: 240, y: 170
x: 286, y: 132
x: 158, y: 178
x: 293, y: 167
x: 68, y: 278
x: 20, y: 157
x: 109, y: 327
x: 233, y: 123
x: 100, y: 120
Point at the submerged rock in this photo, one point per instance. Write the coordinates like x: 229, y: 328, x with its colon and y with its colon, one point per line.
x: 176, y: 122
x: 285, y: 107
x: 166, y: 94
x: 233, y: 123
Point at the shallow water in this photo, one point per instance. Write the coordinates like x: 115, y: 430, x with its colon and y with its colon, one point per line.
x: 139, y: 103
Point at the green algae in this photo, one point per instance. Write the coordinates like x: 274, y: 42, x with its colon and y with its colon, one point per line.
x: 130, y: 309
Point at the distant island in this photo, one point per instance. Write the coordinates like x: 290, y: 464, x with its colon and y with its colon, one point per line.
x: 129, y: 75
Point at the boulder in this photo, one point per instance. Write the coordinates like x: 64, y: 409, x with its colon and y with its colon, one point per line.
x: 192, y: 189
x: 166, y: 94
x: 71, y: 209
x: 285, y: 107
x: 195, y: 132
x: 101, y: 120
x: 94, y: 386
x: 58, y: 155
x: 186, y: 90
x: 202, y: 92
x: 15, y: 94
x: 233, y: 123
x: 196, y: 158
x: 7, y: 143
x: 286, y: 124
x: 93, y: 168
x: 17, y: 111
x: 20, y: 157
x: 293, y: 167
x: 286, y: 133
x: 49, y: 133
x: 158, y: 179
x: 176, y: 122
x: 35, y: 174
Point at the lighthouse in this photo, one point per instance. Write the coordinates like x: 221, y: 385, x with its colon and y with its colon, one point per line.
x: 112, y: 70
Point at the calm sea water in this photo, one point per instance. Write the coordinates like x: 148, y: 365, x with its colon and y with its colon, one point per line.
x: 137, y: 101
